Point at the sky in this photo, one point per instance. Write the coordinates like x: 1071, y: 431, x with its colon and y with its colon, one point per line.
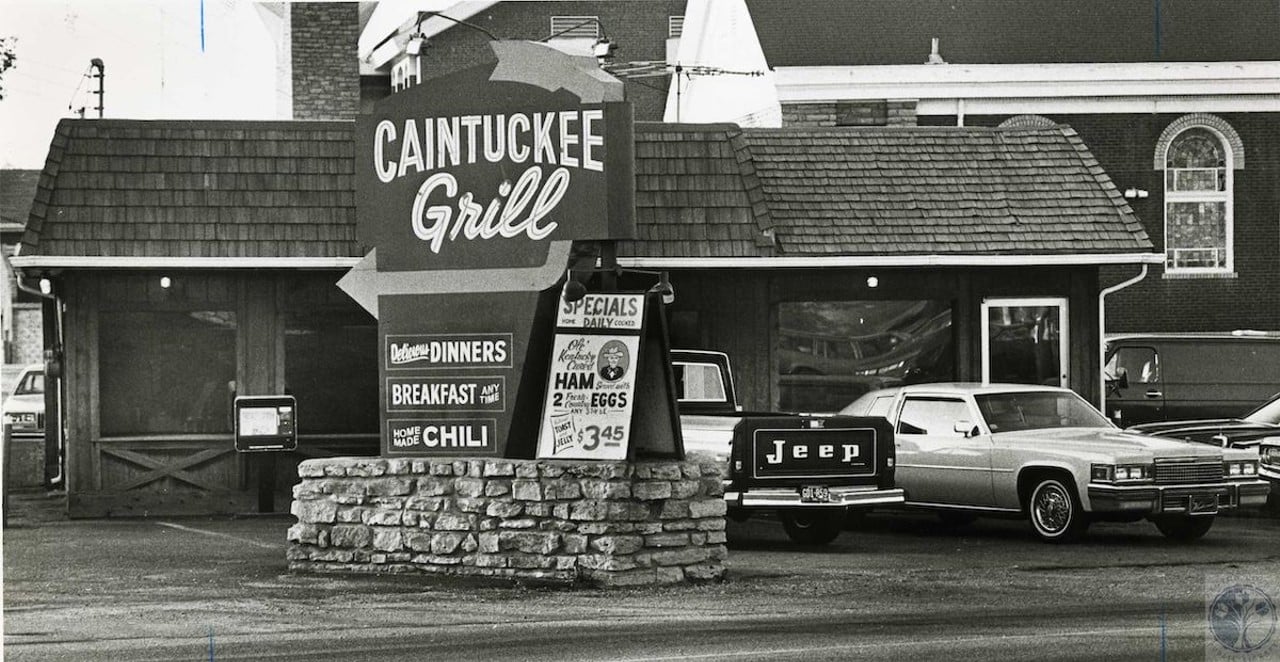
x: 160, y: 63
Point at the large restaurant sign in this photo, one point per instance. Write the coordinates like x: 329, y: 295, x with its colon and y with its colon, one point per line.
x: 471, y: 188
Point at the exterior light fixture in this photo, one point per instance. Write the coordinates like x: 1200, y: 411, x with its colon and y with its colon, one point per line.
x: 665, y: 289
x: 46, y: 286
x: 1131, y: 193
x: 415, y: 45
x: 873, y: 282
x: 603, y: 49
x: 573, y: 289
x: 166, y: 282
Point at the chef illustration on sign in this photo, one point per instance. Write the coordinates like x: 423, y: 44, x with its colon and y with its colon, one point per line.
x: 613, y: 361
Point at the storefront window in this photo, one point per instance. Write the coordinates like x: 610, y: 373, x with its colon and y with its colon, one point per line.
x: 331, y: 367
x: 831, y: 352
x: 166, y: 372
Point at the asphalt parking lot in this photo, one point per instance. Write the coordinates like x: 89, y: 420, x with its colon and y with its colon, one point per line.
x: 900, y: 586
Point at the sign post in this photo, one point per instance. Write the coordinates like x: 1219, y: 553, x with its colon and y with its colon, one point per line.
x: 266, y: 423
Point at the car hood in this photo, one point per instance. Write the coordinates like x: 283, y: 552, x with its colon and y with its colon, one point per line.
x: 1108, y: 442
x: 1164, y: 427
x: 1238, y: 432
x: 22, y: 404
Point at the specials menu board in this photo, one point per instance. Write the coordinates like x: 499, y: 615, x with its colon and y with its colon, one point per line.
x: 592, y: 382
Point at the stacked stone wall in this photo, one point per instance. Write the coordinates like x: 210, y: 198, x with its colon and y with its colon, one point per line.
x: 599, y: 523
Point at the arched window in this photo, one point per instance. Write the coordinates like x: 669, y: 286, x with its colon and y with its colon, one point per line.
x: 1198, y: 202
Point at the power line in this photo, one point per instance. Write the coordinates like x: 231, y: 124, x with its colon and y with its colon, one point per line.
x: 71, y: 102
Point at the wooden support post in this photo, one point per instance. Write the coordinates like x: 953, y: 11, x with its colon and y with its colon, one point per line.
x: 609, y: 261
x: 4, y: 479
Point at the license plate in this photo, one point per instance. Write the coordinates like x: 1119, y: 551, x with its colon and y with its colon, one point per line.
x: 1203, y: 503
x: 815, y: 494
x: 23, y: 420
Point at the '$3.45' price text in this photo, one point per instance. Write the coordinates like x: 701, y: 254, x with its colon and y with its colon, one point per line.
x: 592, y: 436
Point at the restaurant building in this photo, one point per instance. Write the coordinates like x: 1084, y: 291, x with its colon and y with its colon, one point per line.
x: 191, y: 262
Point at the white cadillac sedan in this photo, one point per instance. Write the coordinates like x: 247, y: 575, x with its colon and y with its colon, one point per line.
x: 967, y: 450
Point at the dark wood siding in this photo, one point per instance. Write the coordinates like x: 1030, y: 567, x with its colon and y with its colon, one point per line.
x: 178, y: 474
x: 735, y: 312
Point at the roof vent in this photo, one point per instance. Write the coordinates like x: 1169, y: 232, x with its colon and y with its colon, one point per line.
x: 934, y: 56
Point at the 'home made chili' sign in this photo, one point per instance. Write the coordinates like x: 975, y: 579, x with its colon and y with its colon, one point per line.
x: 470, y: 190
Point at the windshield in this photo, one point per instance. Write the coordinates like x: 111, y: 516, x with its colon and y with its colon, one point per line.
x: 1031, y: 410
x: 32, y: 384
x: 1267, y: 413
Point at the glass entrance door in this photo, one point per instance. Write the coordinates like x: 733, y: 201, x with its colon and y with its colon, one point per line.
x: 1024, y: 341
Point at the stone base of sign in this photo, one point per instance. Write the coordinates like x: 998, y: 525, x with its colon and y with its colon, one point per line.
x: 598, y: 523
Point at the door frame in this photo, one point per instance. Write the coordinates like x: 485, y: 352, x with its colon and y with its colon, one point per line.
x: 1064, y: 344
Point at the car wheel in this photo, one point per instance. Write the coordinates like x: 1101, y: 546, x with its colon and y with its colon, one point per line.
x: 1183, y: 528
x: 813, y: 526
x: 955, y: 519
x: 1055, y: 512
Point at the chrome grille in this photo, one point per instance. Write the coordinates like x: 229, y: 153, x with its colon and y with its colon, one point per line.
x: 1176, y: 472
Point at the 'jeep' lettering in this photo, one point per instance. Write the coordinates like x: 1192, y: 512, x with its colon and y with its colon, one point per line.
x: 812, y: 453
x: 848, y: 452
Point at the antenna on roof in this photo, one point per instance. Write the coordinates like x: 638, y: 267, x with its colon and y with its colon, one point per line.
x: 934, y: 56
x: 95, y: 70
x: 96, y: 65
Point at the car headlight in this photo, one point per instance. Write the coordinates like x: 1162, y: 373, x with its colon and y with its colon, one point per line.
x: 1242, y: 468
x: 1115, y: 473
x: 1271, y: 455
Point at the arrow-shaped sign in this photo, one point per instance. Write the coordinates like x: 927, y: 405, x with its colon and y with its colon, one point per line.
x: 534, y: 63
x: 365, y: 283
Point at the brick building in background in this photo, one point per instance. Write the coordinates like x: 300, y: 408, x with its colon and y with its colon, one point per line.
x: 19, y: 310
x: 325, y: 75
x: 1179, y: 100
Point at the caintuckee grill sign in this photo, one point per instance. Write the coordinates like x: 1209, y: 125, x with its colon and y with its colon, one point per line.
x: 471, y: 189
x: 464, y: 171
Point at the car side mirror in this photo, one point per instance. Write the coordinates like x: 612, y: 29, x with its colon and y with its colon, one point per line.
x: 966, y: 428
x: 1120, y: 379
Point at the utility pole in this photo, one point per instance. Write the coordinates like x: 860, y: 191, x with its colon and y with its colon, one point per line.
x: 99, y: 72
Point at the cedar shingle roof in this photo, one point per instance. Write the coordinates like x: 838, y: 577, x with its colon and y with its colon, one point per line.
x: 196, y: 189
x: 286, y: 189
x: 697, y: 194
x: 904, y: 191
x: 17, y: 190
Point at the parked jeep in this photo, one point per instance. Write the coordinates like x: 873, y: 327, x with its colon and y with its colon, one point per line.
x: 810, y: 469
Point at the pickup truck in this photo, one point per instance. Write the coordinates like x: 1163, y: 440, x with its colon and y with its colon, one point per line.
x: 810, y: 469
